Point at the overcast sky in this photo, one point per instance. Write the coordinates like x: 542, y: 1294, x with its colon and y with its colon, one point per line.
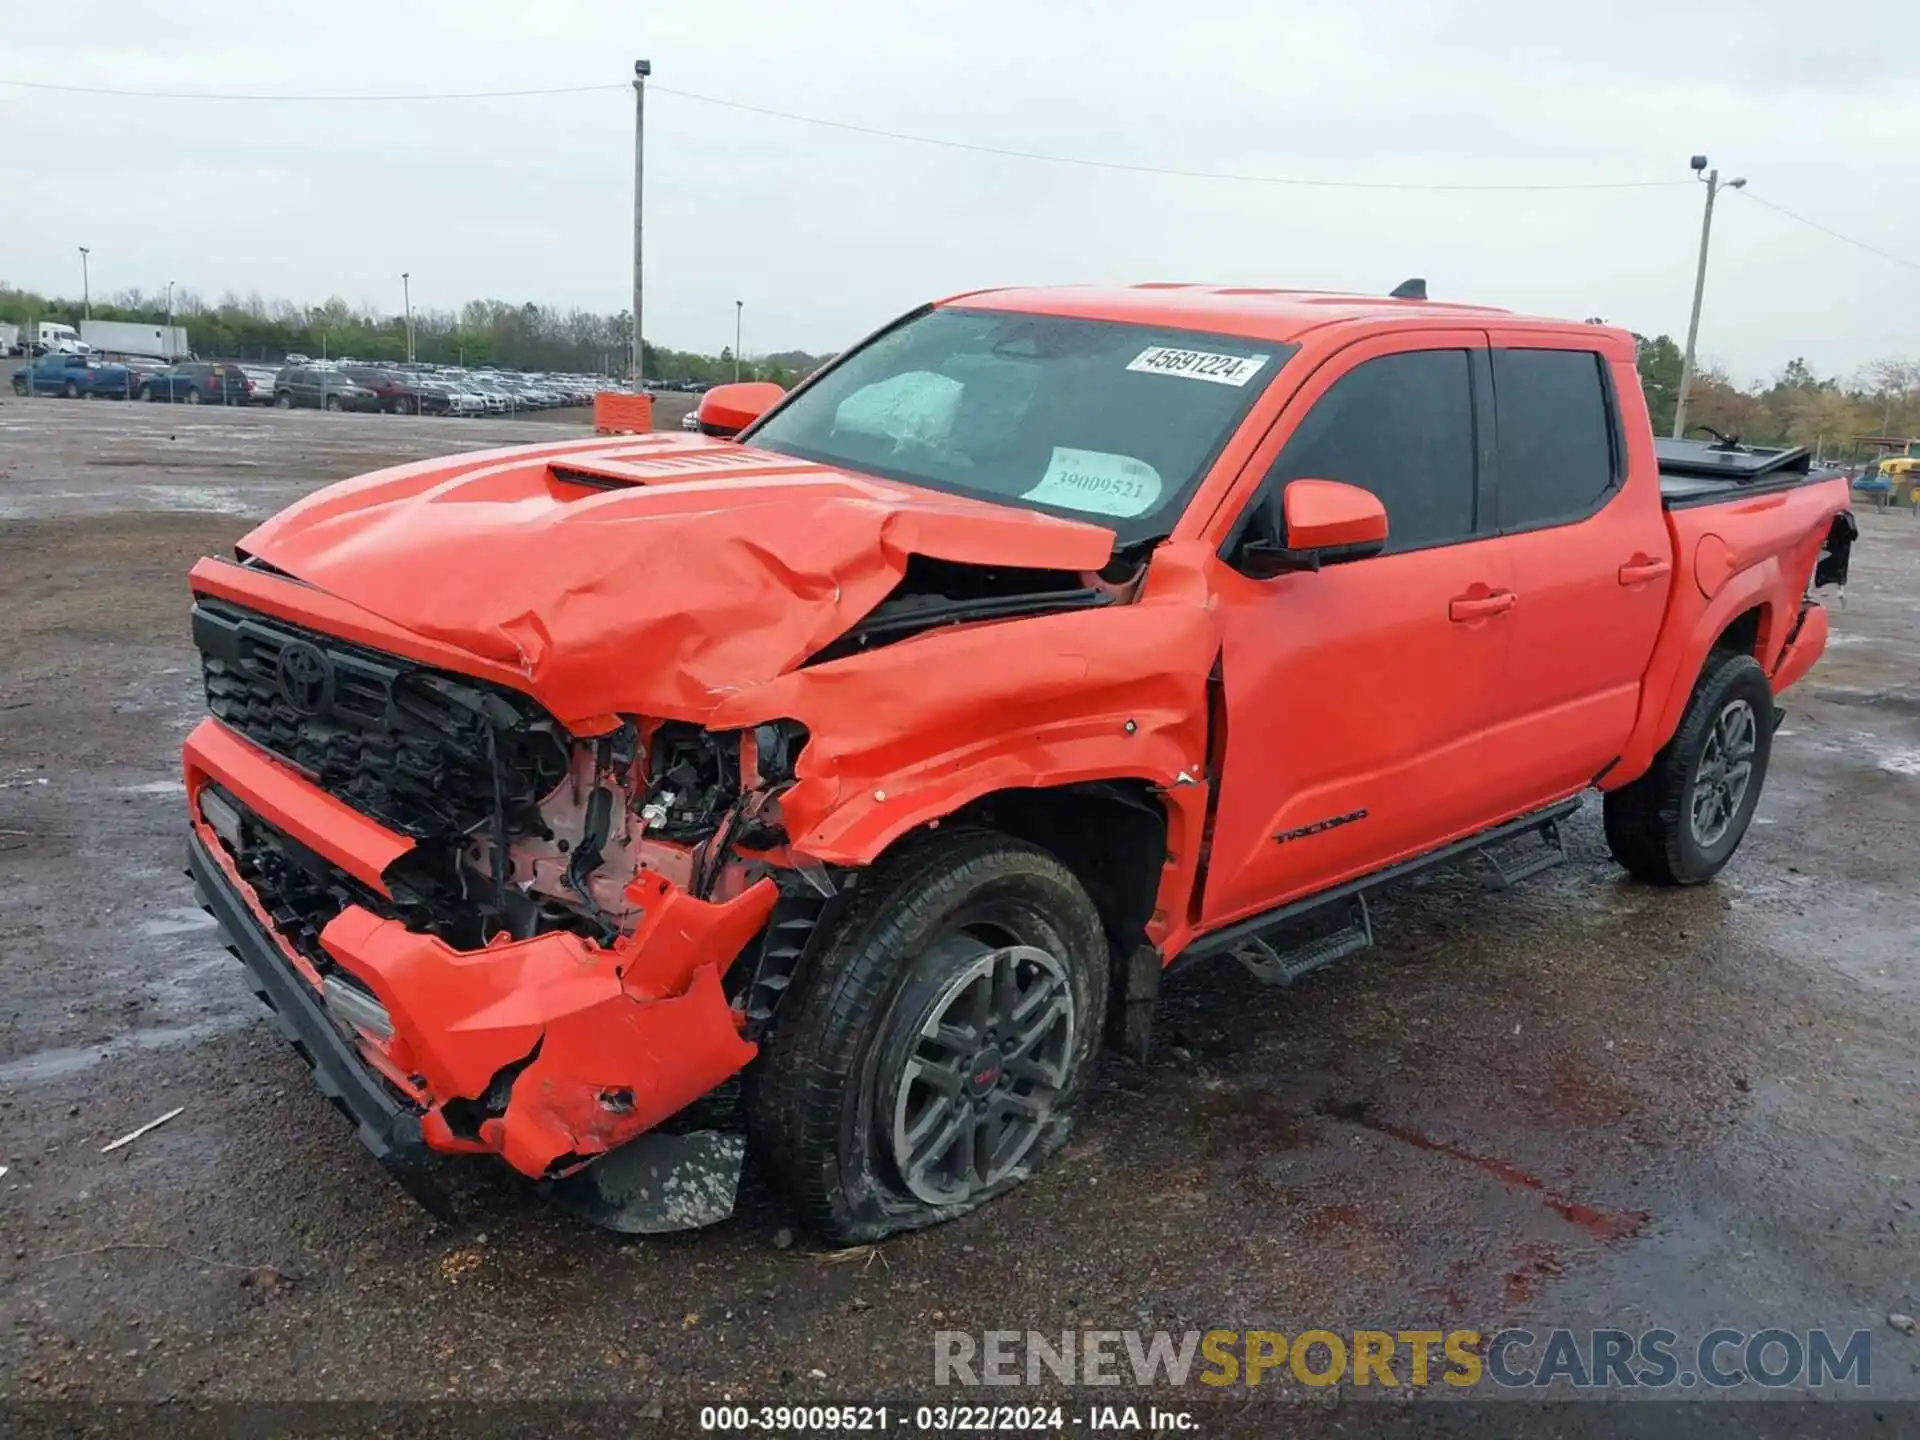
x: 824, y: 233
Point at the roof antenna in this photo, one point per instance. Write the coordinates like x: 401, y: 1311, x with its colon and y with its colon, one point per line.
x: 1414, y: 289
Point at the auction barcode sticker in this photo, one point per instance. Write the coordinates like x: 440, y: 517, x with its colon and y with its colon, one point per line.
x: 1197, y: 364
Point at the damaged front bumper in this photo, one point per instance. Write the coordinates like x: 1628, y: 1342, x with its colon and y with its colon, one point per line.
x: 555, y: 1053
x: 388, y: 1128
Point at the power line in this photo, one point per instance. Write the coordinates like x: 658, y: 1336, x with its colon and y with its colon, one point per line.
x: 1142, y: 169
x: 1824, y: 230
x: 303, y: 99
x: 941, y: 142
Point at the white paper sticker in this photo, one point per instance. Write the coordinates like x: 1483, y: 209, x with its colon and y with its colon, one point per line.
x: 1097, y: 483
x: 1233, y: 370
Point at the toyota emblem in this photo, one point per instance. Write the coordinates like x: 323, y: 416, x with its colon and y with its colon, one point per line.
x: 306, y: 678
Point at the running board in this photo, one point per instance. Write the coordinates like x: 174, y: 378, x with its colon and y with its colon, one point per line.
x: 1231, y: 939
x: 1506, y: 876
x: 1272, y: 966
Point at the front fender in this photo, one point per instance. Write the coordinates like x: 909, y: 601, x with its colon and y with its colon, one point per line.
x: 904, y: 735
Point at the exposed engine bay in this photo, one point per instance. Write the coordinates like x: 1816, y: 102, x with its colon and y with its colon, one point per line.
x: 665, y: 797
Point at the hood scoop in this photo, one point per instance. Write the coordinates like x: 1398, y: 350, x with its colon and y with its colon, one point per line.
x: 668, y: 467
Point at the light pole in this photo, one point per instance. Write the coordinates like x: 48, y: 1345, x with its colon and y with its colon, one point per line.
x: 406, y: 289
x: 738, y: 306
x: 169, y: 312
x: 1711, y: 179
x: 641, y: 70
x: 86, y: 286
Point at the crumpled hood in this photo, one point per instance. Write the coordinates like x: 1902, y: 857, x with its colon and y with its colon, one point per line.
x: 683, y: 571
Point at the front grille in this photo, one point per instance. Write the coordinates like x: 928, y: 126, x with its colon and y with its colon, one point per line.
x: 426, y: 752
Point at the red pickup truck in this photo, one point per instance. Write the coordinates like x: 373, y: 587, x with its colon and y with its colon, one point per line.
x: 882, y: 745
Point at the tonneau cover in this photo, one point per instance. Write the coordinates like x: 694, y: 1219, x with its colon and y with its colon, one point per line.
x: 1697, y: 471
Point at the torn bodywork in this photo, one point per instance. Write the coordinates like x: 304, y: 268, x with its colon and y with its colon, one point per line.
x: 552, y: 844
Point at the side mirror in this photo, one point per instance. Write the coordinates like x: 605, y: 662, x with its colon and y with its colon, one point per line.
x: 726, y: 410
x: 1313, y: 523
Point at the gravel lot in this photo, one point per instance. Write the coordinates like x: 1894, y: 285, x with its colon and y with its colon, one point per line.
x: 1580, y: 1102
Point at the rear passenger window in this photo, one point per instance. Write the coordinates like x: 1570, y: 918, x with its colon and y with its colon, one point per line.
x: 1402, y: 427
x: 1557, y: 440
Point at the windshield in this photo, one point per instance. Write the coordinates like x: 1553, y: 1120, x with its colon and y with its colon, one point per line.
x: 1093, y: 419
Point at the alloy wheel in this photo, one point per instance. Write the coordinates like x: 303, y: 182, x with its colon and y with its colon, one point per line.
x: 983, y: 1071
x: 1726, y: 768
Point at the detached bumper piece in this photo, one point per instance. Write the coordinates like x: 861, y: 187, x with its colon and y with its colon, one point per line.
x: 658, y: 1183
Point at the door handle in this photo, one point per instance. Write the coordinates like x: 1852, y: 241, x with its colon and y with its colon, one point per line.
x: 1642, y: 568
x: 1479, y: 607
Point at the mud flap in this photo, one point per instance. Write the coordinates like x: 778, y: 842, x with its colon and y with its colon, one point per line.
x: 658, y: 1183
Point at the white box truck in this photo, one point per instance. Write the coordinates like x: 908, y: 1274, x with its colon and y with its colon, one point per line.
x: 10, y: 343
x: 126, y: 337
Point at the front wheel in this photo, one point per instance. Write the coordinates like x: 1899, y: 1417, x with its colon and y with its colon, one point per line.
x: 283, y: 401
x: 193, y: 396
x: 937, y: 1049
x: 70, y: 390
x: 1680, y: 823
x: 333, y: 402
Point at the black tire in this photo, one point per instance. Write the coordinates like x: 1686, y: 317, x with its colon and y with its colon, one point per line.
x: 333, y: 402
x: 193, y: 395
x: 70, y: 390
x: 146, y: 393
x: 283, y: 400
x: 1654, y: 825
x: 840, y: 1083
x: 20, y: 387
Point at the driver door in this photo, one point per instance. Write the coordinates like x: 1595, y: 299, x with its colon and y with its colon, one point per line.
x: 1357, y: 696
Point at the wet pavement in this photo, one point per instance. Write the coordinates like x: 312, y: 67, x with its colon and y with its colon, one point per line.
x: 1579, y: 1102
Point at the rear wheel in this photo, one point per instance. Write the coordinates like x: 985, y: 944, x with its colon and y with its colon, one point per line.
x: 1680, y: 823
x: 938, y: 1048
x: 19, y: 387
x: 193, y: 395
x: 146, y: 393
x: 70, y: 390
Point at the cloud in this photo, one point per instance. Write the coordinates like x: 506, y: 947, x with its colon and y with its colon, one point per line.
x: 824, y: 233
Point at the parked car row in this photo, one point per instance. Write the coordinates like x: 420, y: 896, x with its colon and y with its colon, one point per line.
x: 308, y: 384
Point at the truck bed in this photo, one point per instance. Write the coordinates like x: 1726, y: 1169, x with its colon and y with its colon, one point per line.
x: 1694, y: 472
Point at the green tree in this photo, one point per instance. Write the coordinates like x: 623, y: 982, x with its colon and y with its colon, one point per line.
x: 1659, y: 362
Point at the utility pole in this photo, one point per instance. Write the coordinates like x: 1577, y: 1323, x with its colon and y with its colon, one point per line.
x: 406, y: 289
x: 86, y: 286
x: 169, y: 312
x: 641, y: 70
x: 738, y: 306
x: 1711, y: 179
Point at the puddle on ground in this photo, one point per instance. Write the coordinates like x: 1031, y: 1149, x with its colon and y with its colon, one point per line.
x: 183, y: 920
x: 60, y: 1062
